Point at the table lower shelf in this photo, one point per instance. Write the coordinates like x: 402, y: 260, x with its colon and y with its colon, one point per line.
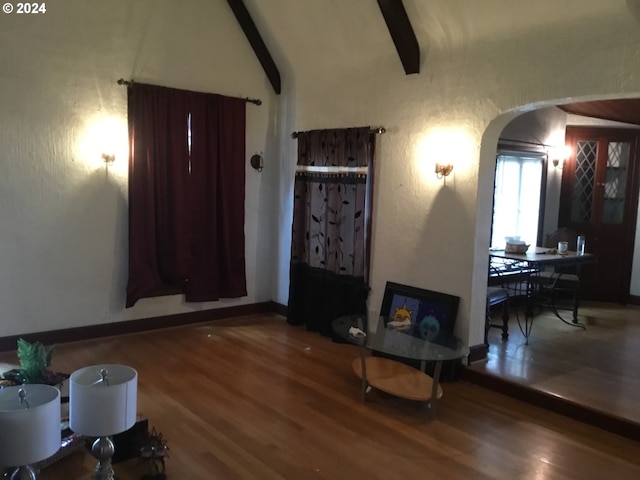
x: 396, y: 378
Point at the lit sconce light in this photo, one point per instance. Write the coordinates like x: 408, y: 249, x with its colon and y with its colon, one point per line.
x: 103, y: 139
x: 443, y: 169
x: 444, y: 148
x: 561, y: 154
x: 108, y: 158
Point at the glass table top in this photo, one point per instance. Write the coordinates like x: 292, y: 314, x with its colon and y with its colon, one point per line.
x: 396, y: 342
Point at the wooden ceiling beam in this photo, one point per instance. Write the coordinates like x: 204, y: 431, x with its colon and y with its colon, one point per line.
x: 399, y: 25
x: 255, y: 40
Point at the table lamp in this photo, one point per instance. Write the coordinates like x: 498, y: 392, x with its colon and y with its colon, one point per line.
x: 30, y: 428
x: 102, y: 402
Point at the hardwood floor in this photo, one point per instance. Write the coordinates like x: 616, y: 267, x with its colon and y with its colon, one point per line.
x: 255, y: 398
x: 596, y: 367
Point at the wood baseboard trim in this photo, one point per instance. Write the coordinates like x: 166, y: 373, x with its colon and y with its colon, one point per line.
x: 634, y: 300
x: 478, y: 353
x: 51, y: 337
x: 599, y: 419
x: 279, y: 309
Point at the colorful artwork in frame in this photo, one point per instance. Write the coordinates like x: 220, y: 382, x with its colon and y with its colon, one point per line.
x: 419, y: 312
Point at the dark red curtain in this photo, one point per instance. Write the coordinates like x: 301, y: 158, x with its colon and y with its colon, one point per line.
x: 217, y: 195
x: 186, y: 194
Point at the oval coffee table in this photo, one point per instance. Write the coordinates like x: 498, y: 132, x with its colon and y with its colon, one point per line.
x: 392, y: 376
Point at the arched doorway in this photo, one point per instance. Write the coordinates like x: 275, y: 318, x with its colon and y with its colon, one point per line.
x: 565, y: 377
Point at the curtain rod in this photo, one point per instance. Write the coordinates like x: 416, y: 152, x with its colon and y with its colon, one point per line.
x: 373, y: 130
x: 255, y: 101
x: 523, y: 142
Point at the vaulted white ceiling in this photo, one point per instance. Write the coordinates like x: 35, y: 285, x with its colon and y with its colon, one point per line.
x: 324, y: 34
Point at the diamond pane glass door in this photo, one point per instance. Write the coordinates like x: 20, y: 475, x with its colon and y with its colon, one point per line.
x: 599, y: 200
x: 615, y: 183
x: 584, y: 181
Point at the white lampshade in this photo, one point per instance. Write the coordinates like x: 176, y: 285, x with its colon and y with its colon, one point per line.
x: 101, y: 407
x: 30, y: 430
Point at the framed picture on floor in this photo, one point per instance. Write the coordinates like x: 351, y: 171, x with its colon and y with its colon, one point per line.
x: 422, y: 313
x: 425, y: 314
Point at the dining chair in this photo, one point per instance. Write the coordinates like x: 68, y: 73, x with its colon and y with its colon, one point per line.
x: 552, y: 286
x: 497, y: 296
x: 498, y: 293
x: 562, y: 234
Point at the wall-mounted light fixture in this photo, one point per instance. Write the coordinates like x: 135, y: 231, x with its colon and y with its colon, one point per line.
x: 102, y: 140
x: 108, y: 158
x: 560, y: 156
x: 443, y: 169
x: 441, y: 150
x: 256, y: 162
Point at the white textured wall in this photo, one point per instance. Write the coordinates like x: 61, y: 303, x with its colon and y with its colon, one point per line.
x: 63, y: 256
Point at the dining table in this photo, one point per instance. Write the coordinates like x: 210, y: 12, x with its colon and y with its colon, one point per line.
x: 526, y: 268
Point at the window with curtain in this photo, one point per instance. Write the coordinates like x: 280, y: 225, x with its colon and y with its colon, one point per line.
x: 331, y: 227
x: 186, y: 194
x: 517, y: 197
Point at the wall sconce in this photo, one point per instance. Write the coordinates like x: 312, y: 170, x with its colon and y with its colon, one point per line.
x: 443, y: 169
x: 108, y: 158
x: 560, y: 156
x: 257, y: 162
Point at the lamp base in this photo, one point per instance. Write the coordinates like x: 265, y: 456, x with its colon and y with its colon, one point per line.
x: 26, y: 472
x: 103, y: 449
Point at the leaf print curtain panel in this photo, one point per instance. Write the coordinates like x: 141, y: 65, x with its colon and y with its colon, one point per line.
x: 329, y: 251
